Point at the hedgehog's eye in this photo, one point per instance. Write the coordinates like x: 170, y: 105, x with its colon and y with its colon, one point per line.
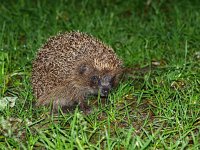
x: 83, y: 69
x: 94, y: 79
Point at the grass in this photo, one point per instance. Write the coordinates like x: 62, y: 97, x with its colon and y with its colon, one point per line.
x: 155, y: 109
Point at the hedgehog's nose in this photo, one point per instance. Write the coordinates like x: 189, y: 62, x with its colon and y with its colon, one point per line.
x: 105, y: 91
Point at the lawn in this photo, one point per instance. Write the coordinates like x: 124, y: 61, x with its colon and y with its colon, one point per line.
x: 156, y: 105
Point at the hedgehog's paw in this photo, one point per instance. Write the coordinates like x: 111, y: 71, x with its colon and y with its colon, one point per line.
x: 85, y: 108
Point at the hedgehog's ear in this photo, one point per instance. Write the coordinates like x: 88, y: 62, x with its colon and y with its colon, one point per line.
x: 83, y: 68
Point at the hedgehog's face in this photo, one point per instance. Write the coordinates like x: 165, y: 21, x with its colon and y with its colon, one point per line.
x: 98, y: 81
x: 102, y: 84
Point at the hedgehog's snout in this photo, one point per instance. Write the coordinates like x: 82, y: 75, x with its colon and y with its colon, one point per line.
x: 105, y: 85
x: 105, y: 91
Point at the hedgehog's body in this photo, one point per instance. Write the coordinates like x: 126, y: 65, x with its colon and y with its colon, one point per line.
x: 71, y: 66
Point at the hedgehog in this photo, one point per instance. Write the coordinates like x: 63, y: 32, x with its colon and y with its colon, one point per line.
x: 72, y: 66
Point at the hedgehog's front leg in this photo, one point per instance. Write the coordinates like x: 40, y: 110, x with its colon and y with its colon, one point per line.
x: 85, y: 108
x: 81, y: 97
